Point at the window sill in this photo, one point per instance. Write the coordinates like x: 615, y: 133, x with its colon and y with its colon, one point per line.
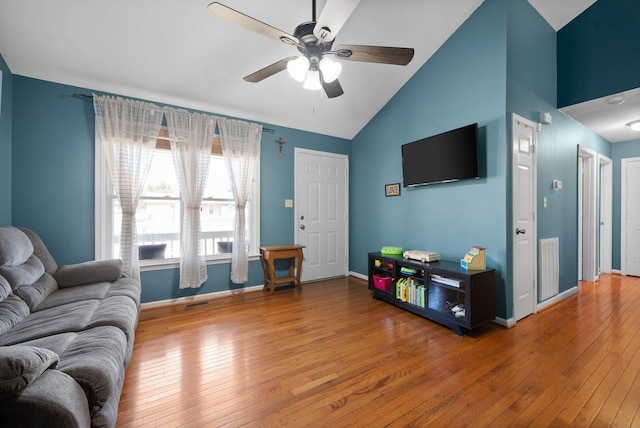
x: 151, y: 265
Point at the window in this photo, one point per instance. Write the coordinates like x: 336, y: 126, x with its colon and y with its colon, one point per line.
x: 158, y: 217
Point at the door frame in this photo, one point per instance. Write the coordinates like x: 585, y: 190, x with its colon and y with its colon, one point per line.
x: 587, y: 211
x: 606, y: 213
x: 296, y: 215
x: 534, y: 196
x: 623, y: 211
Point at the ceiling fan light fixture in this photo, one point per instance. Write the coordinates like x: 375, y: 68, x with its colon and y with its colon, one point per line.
x: 330, y: 69
x: 635, y: 125
x: 312, y: 82
x: 298, y: 68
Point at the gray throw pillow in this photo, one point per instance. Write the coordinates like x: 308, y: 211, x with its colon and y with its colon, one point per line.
x: 21, y: 365
x: 88, y: 273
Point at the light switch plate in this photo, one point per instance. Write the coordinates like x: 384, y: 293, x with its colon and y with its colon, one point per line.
x: 288, y: 203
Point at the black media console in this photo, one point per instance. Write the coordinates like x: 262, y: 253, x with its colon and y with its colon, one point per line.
x: 441, y: 291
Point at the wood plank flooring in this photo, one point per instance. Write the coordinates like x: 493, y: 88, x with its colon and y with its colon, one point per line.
x: 330, y: 355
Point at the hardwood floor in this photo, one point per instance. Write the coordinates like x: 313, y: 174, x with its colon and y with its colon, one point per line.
x: 330, y: 355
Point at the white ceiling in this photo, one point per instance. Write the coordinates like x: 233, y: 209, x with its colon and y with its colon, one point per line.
x: 174, y: 52
x: 607, y: 118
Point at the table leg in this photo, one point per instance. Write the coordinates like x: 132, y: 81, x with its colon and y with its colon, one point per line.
x: 299, y: 269
x: 272, y: 274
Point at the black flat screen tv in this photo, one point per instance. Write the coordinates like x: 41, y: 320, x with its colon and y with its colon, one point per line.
x: 450, y: 156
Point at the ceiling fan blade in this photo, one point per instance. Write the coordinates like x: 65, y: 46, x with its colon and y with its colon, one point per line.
x: 377, y: 54
x: 269, y: 70
x: 242, y: 20
x: 334, y: 14
x: 333, y: 89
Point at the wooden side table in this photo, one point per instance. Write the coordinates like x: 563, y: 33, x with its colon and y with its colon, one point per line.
x: 272, y: 252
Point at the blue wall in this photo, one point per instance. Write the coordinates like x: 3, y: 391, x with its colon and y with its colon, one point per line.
x: 463, y: 83
x: 599, y: 52
x: 532, y: 88
x: 53, y: 182
x: 619, y: 151
x: 6, y: 113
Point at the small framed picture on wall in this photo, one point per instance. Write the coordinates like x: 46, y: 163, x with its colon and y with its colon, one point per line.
x: 392, y: 189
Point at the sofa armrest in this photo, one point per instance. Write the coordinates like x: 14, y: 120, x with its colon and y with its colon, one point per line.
x: 88, y: 273
x: 53, y: 400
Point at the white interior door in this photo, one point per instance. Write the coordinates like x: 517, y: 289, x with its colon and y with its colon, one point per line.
x: 524, y: 212
x: 587, y: 214
x: 630, y: 250
x: 321, y: 195
x: 606, y: 213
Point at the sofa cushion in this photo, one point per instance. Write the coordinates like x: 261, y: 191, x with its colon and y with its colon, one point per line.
x: 12, y: 311
x: 36, y: 293
x: 25, y: 273
x: 15, y: 246
x: 5, y: 288
x: 64, y: 296
x: 41, y: 251
x: 53, y: 400
x: 95, y: 359
x: 89, y: 272
x: 21, y: 365
x: 60, y: 319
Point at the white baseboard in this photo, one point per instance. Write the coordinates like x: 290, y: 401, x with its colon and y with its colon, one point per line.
x: 199, y: 297
x: 558, y: 297
x: 359, y: 275
x: 508, y: 323
x: 616, y: 271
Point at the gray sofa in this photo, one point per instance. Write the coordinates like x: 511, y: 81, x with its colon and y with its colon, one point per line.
x: 66, y: 336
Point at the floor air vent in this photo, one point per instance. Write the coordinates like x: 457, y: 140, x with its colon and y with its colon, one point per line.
x: 191, y: 305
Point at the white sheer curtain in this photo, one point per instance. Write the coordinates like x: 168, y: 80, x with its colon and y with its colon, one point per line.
x: 241, y: 151
x: 191, y: 136
x: 128, y: 131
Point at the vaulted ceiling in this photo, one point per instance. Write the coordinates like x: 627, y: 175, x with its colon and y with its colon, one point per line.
x: 174, y: 52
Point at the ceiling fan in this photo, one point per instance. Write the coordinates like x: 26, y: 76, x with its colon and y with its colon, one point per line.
x: 314, y: 40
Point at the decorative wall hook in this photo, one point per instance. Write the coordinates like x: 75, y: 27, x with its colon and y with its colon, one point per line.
x: 280, y: 142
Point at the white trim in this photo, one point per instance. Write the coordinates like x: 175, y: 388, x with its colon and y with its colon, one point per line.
x: 165, y: 264
x: 358, y: 275
x: 558, y: 297
x: 508, y: 323
x: 588, y: 232
x: 623, y: 211
x: 606, y: 213
x: 200, y: 297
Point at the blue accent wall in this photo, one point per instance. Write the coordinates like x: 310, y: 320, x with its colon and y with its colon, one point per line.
x: 619, y: 151
x: 53, y: 182
x: 532, y: 89
x: 463, y: 83
x: 6, y: 114
x: 599, y: 52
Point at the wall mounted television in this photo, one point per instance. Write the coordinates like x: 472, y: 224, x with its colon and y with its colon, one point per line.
x: 450, y: 156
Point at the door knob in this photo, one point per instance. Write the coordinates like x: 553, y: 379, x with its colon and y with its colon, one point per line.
x: 519, y: 231
x: 302, y: 226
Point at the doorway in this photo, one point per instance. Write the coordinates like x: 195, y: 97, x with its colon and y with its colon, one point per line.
x: 321, y: 212
x: 586, y: 214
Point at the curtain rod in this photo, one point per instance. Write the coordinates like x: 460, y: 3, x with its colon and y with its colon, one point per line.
x: 85, y: 96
